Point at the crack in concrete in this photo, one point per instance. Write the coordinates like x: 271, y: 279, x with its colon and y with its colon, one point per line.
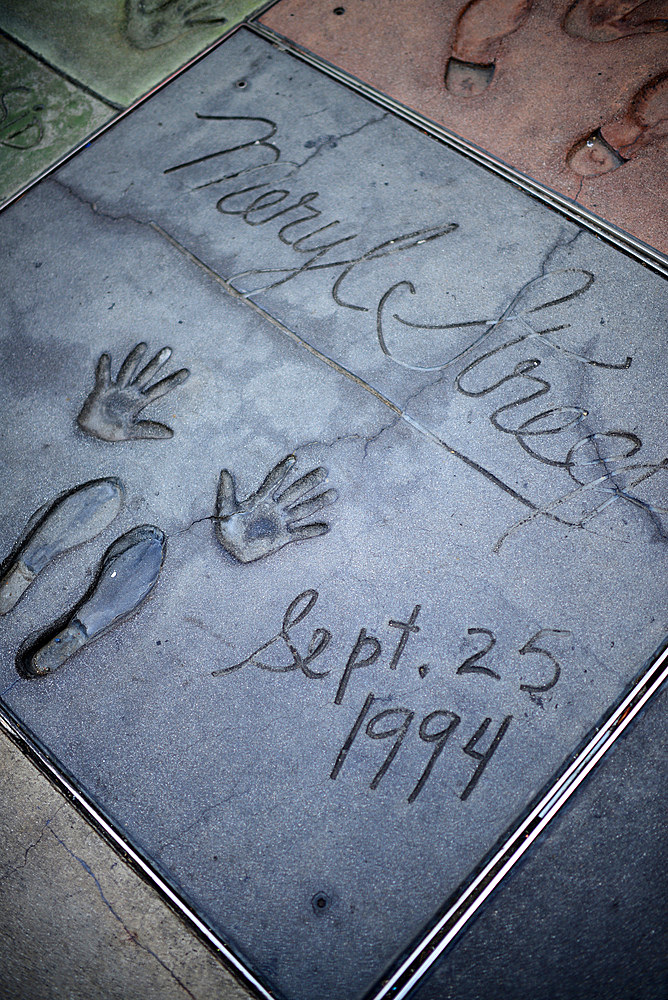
x: 558, y: 244
x: 93, y: 205
x: 328, y: 140
x: 32, y: 846
x: 399, y: 412
x: 241, y: 297
x: 342, y: 438
x: 131, y: 934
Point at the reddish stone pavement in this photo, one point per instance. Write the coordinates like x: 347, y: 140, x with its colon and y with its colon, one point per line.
x: 531, y: 83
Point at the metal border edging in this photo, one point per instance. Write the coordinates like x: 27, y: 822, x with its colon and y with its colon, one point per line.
x: 622, y: 240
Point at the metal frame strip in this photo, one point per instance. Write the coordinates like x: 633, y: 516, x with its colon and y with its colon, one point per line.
x: 431, y: 946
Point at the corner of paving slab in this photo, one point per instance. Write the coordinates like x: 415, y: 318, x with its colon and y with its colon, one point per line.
x: 75, y: 921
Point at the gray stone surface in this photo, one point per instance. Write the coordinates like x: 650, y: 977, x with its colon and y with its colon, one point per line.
x: 75, y: 922
x: 585, y: 916
x: 262, y: 792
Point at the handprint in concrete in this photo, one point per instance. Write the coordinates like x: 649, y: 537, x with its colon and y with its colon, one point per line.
x: 112, y: 409
x: 20, y: 119
x: 155, y: 22
x: 274, y: 515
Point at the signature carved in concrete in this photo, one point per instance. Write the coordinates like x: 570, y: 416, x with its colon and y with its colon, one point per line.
x: 112, y: 409
x: 155, y: 22
x: 274, y: 515
x: 73, y: 518
x: 128, y: 572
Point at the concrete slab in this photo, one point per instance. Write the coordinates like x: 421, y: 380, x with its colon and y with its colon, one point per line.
x: 309, y: 702
x: 571, y: 94
x: 42, y: 117
x: 120, y: 50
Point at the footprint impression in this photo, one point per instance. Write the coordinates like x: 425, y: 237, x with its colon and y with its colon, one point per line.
x: 607, y: 20
x: 73, y: 518
x: 128, y: 571
x: 644, y: 119
x: 127, y: 574
x: 480, y: 27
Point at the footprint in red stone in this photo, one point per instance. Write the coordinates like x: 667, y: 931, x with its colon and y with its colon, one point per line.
x: 481, y: 26
x: 645, y: 119
x: 607, y: 20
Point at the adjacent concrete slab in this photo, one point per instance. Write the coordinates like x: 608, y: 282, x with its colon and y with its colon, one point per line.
x: 42, y: 116
x: 585, y: 917
x: 572, y: 94
x: 313, y: 701
x: 120, y: 49
x: 75, y: 922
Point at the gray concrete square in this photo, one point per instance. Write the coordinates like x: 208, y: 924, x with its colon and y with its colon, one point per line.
x: 325, y: 703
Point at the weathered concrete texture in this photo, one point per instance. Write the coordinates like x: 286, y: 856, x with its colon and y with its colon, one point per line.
x: 120, y: 49
x: 75, y: 921
x: 42, y: 117
x: 532, y: 84
x: 297, y: 723
x: 585, y: 916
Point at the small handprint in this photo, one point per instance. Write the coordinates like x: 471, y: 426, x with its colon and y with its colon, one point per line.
x: 269, y: 519
x: 20, y: 124
x: 155, y: 22
x: 111, y: 410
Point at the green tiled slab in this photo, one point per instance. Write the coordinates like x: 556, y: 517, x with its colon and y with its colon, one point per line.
x: 42, y: 116
x: 120, y: 49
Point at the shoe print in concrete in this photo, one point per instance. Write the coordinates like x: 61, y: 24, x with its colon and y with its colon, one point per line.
x: 275, y: 515
x: 112, y: 409
x: 42, y: 117
x: 532, y: 84
x: 608, y: 20
x: 644, y: 121
x: 479, y: 377
x: 481, y: 26
x: 128, y: 573
x: 74, y: 518
x: 120, y: 49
